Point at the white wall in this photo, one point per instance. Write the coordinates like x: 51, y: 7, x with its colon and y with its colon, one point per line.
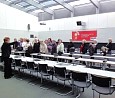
x: 11, y: 18
x: 13, y: 23
x: 103, y: 23
x: 106, y: 20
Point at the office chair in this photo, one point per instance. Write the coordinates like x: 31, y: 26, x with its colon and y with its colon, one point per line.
x: 61, y: 74
x: 102, y: 85
x: 80, y: 80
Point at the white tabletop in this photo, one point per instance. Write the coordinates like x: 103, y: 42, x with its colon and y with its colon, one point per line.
x: 90, y: 60
x: 75, y: 54
x: 48, y: 55
x: 92, y: 71
x: 79, y: 68
x: 98, y: 56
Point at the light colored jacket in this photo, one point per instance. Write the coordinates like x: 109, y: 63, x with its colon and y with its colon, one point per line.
x: 43, y: 48
x: 60, y: 47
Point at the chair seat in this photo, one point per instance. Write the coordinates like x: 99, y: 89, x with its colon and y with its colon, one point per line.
x: 96, y: 67
x: 63, y: 78
x: 82, y: 84
x: 44, y: 74
x: 104, y: 90
x: 50, y: 72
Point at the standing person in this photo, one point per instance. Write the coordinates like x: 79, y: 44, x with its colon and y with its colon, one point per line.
x: 43, y: 47
x: 83, y: 47
x: 95, y: 45
x: 109, y: 46
x: 16, y: 44
x: 71, y: 44
x: 36, y: 46
x: 91, y: 49
x: 28, y: 48
x: 49, y: 45
x: 60, y: 47
x: 54, y: 47
x: 6, y: 51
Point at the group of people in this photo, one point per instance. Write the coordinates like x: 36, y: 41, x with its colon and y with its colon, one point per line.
x: 93, y: 46
x: 48, y: 46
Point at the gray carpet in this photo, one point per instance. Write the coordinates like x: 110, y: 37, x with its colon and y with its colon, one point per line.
x: 16, y: 88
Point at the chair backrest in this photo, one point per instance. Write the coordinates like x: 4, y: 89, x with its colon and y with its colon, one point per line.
x: 110, y: 69
x: 96, y: 67
x: 42, y: 68
x: 60, y: 71
x: 101, y: 81
x: 30, y: 65
x: 82, y: 77
x: 17, y: 62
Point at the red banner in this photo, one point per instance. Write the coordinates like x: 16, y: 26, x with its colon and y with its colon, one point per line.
x: 87, y: 35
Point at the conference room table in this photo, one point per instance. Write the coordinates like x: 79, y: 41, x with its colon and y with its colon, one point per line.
x: 88, y: 56
x: 79, y: 68
x: 53, y: 56
x: 80, y: 59
x: 18, y: 52
x: 71, y: 67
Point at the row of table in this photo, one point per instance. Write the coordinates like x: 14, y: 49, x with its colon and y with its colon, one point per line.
x: 69, y: 66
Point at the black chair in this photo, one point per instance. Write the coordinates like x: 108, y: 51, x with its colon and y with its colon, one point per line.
x: 96, y: 67
x: 80, y: 80
x: 32, y: 68
x: 110, y: 59
x: 61, y: 74
x: 19, y: 65
x: 110, y: 69
x: 102, y: 85
x: 43, y: 70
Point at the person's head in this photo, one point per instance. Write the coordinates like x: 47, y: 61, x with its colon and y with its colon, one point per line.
x: 35, y: 40
x: 94, y: 41
x: 70, y: 40
x: 27, y: 40
x: 24, y: 40
x: 90, y: 43
x: 6, y: 40
x: 15, y: 39
x: 53, y: 42
x: 49, y: 40
x: 59, y: 41
x: 110, y: 40
x: 46, y: 42
x: 21, y: 39
x: 83, y: 41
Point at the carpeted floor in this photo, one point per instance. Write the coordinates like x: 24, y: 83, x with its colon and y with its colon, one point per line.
x: 19, y: 88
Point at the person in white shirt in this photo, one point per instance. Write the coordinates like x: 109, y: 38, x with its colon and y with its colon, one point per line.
x: 60, y: 47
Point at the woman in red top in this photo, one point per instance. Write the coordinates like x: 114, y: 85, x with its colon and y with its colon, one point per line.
x: 83, y: 47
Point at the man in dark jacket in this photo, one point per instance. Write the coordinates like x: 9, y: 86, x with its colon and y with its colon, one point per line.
x: 36, y: 46
x: 6, y: 51
x: 109, y: 46
x: 70, y: 45
x: 16, y: 44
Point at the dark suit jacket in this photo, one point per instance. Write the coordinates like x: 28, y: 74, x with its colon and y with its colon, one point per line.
x: 36, y: 47
x: 69, y: 46
x: 84, y: 50
x: 109, y: 46
x: 6, y: 50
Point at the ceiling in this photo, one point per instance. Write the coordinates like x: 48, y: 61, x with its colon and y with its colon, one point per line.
x: 35, y: 7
